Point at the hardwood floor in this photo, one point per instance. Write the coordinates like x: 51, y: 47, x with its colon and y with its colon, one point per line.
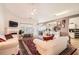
x: 75, y: 42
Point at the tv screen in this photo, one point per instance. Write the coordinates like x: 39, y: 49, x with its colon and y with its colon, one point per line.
x: 13, y: 24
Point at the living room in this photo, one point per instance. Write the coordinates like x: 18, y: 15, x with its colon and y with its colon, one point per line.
x: 37, y: 28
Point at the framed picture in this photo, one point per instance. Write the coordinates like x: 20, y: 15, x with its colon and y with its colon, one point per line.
x: 63, y: 22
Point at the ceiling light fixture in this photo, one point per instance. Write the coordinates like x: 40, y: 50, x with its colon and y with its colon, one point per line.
x: 33, y: 11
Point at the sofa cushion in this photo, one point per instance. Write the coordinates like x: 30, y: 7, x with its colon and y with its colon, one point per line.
x: 51, y: 47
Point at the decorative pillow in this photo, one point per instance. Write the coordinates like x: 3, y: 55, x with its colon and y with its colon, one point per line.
x: 2, y: 40
x: 8, y: 36
x: 3, y: 37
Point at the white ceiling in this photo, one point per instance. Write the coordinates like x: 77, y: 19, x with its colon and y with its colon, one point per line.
x: 40, y: 11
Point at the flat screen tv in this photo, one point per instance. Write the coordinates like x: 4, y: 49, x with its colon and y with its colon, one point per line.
x: 13, y: 24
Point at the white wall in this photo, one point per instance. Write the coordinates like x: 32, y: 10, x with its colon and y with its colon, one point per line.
x: 2, y: 20
x: 12, y: 16
x: 74, y: 21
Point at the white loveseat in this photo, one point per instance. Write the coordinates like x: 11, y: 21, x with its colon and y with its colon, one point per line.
x: 51, y: 47
x: 9, y: 47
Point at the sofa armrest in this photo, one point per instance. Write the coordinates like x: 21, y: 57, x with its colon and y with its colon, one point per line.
x: 9, y: 43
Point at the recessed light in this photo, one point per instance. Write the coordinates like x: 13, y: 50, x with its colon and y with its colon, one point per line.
x: 32, y: 13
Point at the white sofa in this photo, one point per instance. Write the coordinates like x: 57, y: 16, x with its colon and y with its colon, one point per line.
x: 51, y: 47
x: 9, y: 47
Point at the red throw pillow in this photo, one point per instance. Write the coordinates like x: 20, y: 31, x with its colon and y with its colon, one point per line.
x: 2, y: 40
